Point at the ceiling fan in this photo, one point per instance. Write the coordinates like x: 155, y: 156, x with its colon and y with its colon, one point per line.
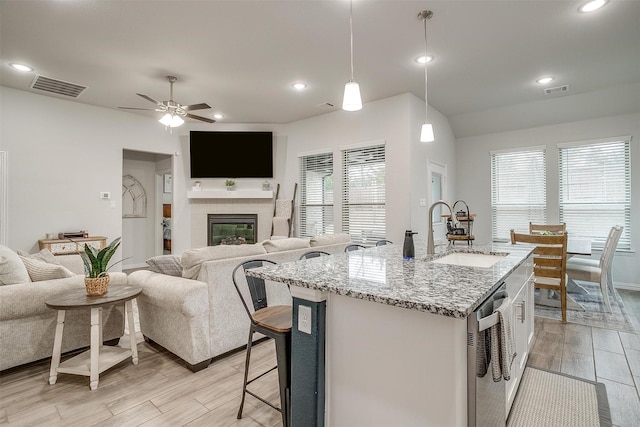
x: 174, y: 111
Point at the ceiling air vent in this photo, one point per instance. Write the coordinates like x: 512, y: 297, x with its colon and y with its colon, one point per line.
x: 557, y: 89
x: 58, y: 87
x: 325, y: 105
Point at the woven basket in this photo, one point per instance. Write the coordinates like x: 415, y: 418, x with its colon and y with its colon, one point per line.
x: 96, y: 286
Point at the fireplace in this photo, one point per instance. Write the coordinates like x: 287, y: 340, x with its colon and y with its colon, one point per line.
x: 231, y: 229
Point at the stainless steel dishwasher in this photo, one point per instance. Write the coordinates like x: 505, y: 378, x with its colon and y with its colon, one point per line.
x: 486, y: 399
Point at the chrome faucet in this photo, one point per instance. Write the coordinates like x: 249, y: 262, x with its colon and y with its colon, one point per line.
x: 430, y: 246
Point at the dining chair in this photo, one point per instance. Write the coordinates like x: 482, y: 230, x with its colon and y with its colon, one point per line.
x: 313, y: 254
x: 354, y: 247
x: 384, y: 242
x: 272, y: 321
x: 599, y: 271
x: 544, y: 228
x: 549, y: 263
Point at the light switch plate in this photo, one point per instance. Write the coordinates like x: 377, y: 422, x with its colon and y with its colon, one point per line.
x: 105, y: 195
x: 304, y: 319
x: 423, y: 202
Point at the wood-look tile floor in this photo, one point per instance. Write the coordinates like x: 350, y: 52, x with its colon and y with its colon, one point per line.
x: 603, y: 355
x: 160, y: 391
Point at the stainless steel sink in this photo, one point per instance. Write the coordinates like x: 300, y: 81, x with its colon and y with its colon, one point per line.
x: 470, y: 259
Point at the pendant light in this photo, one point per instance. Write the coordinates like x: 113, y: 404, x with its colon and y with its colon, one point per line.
x: 351, y: 100
x: 426, y: 134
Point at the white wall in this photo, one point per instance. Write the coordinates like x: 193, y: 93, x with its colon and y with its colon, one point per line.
x: 62, y: 154
x: 441, y: 151
x: 395, y: 120
x: 474, y: 174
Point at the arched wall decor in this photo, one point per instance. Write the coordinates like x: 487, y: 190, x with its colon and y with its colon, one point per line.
x: 134, y: 198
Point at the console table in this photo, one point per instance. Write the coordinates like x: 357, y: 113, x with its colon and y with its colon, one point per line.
x: 72, y: 246
x: 100, y: 357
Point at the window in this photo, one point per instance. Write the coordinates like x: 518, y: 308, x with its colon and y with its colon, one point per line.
x: 595, y: 189
x: 316, y: 199
x: 363, y: 193
x: 518, y: 190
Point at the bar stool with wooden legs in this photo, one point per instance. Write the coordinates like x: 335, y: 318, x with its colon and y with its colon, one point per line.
x: 273, y: 322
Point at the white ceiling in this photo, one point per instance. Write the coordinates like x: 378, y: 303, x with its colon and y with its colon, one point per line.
x: 241, y: 56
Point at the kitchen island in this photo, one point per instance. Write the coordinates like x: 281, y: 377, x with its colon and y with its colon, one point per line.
x: 378, y: 341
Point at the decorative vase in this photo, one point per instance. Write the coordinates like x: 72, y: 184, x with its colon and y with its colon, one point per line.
x: 97, y: 286
x: 231, y: 187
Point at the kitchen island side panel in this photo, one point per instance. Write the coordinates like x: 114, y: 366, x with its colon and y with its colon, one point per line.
x: 388, y: 365
x: 308, y: 366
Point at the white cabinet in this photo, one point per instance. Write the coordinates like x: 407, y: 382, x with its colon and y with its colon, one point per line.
x: 520, y: 288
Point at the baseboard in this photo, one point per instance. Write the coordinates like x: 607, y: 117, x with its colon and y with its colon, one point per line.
x: 627, y: 286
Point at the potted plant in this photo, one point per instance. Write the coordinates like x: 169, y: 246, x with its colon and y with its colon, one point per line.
x: 230, y: 184
x: 96, y: 265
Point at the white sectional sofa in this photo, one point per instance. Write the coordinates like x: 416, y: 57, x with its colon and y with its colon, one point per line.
x: 27, y: 325
x: 199, y: 316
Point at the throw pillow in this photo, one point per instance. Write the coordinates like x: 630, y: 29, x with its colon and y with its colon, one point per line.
x: 40, y: 270
x: 330, y: 239
x: 12, y: 270
x: 44, y: 255
x: 166, y: 264
x: 285, y: 244
x: 192, y: 260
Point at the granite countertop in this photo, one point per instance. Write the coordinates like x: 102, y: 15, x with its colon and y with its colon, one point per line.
x: 380, y: 274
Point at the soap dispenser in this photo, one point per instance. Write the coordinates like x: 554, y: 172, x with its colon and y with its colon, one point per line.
x: 408, y: 250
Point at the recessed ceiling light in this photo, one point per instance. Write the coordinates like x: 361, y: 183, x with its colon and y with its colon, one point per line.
x: 422, y: 60
x: 545, y: 80
x: 218, y: 116
x: 299, y: 86
x: 592, y: 5
x: 21, y: 67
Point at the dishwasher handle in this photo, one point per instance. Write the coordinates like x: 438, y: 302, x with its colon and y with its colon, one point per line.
x: 485, y: 322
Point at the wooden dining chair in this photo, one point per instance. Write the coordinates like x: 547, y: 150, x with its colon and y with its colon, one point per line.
x: 547, y: 228
x: 549, y: 263
x: 599, y: 271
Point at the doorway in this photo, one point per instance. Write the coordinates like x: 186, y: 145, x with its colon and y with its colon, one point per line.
x: 142, y: 229
x: 437, y: 190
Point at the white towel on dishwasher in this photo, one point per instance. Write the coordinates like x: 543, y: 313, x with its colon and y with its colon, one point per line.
x: 502, y: 346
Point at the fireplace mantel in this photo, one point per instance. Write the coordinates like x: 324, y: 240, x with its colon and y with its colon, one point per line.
x: 225, y: 194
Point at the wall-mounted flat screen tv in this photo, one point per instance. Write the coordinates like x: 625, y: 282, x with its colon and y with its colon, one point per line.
x: 231, y: 154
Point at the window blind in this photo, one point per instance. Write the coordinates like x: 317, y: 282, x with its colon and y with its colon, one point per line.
x: 595, y: 189
x: 316, y: 198
x: 363, y: 193
x: 518, y: 191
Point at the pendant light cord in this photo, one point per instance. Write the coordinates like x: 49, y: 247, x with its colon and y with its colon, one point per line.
x: 426, y: 103
x: 351, y: 33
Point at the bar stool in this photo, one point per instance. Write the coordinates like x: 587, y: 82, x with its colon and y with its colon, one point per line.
x: 273, y: 322
x: 354, y: 247
x: 313, y: 254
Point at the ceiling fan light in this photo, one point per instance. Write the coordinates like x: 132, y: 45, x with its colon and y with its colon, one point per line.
x: 352, y: 100
x: 176, y: 121
x: 166, y: 119
x: 426, y: 135
x: 171, y: 120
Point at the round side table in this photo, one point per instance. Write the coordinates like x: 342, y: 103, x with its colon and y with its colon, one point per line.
x: 99, y: 357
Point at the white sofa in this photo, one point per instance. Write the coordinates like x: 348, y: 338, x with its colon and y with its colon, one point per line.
x: 199, y: 316
x: 27, y: 325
